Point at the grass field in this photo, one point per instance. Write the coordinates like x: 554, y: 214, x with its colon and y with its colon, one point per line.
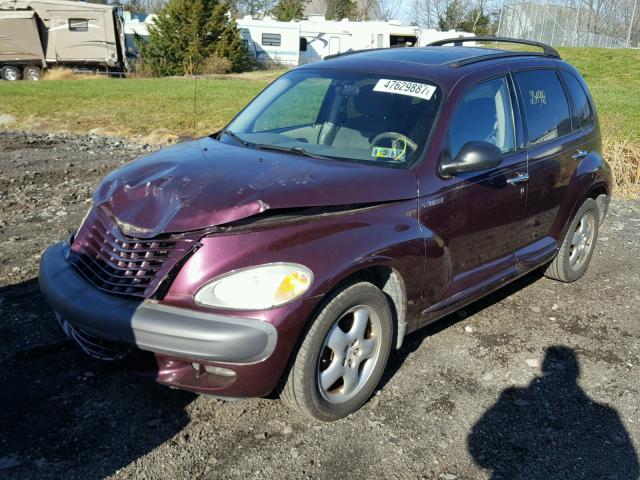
x: 157, y: 109
x: 145, y: 106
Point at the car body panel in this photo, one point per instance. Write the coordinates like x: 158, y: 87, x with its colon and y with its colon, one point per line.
x: 204, y: 183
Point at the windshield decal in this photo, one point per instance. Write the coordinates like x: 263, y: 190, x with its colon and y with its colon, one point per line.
x: 383, y: 152
x: 400, y: 87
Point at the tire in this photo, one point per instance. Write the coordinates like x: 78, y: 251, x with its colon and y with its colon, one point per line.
x: 32, y: 73
x: 351, y: 336
x: 10, y: 74
x: 578, y: 245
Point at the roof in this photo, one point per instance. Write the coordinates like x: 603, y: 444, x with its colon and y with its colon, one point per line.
x: 445, y: 65
x: 16, y: 14
x: 45, y: 4
x: 425, y: 55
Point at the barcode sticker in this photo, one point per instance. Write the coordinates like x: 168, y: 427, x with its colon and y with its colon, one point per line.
x: 400, y: 87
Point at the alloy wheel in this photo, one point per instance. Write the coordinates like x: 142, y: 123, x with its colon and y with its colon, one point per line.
x: 349, y: 354
x: 582, y: 241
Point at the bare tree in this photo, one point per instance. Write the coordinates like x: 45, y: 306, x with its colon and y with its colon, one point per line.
x: 389, y: 8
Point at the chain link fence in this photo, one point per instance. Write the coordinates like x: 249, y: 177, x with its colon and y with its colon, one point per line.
x: 573, y: 23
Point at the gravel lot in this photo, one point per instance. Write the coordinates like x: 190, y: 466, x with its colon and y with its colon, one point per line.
x: 540, y: 381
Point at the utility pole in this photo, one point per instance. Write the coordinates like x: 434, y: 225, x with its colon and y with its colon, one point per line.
x: 633, y: 17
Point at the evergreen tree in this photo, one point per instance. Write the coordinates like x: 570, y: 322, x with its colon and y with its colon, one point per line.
x: 339, y: 9
x: 287, y: 10
x: 187, y: 32
x: 452, y: 17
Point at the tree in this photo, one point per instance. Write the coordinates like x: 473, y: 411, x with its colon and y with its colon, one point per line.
x: 452, y: 16
x: 186, y: 33
x: 287, y: 10
x: 339, y: 9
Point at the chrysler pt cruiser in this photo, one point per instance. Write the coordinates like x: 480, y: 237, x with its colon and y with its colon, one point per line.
x: 353, y: 201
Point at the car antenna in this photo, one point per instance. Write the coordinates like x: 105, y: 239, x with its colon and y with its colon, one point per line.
x: 195, y: 101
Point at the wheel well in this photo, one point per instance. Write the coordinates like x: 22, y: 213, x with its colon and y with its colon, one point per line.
x: 601, y: 196
x: 390, y: 282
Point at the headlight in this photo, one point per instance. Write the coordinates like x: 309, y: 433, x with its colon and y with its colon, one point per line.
x: 256, y: 288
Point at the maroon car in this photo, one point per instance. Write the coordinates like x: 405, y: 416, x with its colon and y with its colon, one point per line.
x: 352, y: 202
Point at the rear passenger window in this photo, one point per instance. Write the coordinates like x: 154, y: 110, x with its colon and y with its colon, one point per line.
x: 545, y: 105
x: 484, y: 115
x: 583, y: 115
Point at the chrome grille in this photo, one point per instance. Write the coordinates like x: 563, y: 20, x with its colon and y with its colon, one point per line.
x: 120, y: 264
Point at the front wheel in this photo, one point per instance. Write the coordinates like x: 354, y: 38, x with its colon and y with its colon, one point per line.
x: 578, y: 245
x: 343, y: 355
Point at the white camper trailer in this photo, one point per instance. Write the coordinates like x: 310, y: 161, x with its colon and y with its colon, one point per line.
x: 322, y: 38
x: 271, y: 42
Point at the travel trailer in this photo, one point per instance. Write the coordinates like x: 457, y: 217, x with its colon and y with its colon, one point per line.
x: 324, y: 38
x: 37, y: 34
x: 271, y: 42
x: 298, y: 42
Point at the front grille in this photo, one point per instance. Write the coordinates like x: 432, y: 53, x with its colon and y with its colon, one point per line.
x: 117, y: 263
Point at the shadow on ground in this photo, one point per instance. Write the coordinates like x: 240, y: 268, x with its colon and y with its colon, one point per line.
x: 413, y: 341
x: 63, y: 415
x: 552, y: 430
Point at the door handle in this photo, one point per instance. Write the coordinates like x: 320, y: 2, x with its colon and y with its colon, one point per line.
x: 580, y: 154
x: 519, y: 178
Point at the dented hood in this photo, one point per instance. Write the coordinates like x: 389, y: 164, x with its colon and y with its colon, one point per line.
x: 205, y: 183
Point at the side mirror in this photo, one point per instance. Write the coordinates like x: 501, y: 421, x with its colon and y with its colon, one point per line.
x: 473, y: 156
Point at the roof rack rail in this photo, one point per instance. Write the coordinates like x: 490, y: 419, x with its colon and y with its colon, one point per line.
x: 351, y: 51
x: 547, y: 50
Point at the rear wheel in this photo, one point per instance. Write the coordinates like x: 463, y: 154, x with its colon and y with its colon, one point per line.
x: 10, y: 74
x: 32, y: 73
x: 578, y: 245
x: 343, y: 355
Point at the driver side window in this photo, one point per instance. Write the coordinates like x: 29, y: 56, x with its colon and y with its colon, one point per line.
x: 484, y: 115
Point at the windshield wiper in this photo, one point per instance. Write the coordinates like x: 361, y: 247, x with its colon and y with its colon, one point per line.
x: 235, y: 136
x: 295, y: 150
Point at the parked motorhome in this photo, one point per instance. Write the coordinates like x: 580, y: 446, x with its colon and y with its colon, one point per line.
x: 71, y: 34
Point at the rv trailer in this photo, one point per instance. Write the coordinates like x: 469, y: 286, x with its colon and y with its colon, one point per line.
x: 325, y: 38
x: 70, y: 33
x: 271, y: 42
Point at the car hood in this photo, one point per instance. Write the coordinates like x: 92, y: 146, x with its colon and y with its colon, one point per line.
x: 204, y: 183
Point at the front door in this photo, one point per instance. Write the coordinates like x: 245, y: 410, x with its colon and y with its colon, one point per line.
x: 472, y: 224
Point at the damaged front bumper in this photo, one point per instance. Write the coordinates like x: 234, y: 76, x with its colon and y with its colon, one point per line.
x: 100, y: 320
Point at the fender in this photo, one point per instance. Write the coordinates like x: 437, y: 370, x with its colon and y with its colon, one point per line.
x: 592, y: 173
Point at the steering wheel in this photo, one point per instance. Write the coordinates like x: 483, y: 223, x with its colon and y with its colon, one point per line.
x: 396, y: 137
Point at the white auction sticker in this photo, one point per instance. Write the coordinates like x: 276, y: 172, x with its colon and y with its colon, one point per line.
x: 400, y: 87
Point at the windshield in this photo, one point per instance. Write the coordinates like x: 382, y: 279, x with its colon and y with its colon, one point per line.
x: 343, y: 115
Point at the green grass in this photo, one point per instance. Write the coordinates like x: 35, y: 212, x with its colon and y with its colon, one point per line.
x: 614, y: 79
x: 130, y: 107
x: 146, y: 106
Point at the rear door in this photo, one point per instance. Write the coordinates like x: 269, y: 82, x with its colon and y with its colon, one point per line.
x: 553, y: 146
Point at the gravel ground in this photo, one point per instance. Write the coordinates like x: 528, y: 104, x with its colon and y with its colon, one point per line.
x: 539, y: 381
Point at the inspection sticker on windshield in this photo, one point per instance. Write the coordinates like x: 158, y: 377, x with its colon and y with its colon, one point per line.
x: 400, y: 87
x: 383, y: 152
